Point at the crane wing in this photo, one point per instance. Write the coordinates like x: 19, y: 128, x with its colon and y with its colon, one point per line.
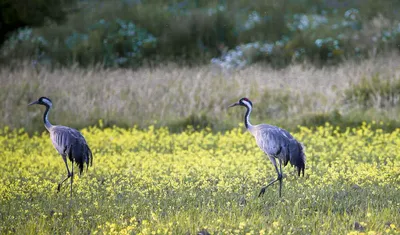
x: 63, y: 137
x: 279, y: 143
x: 271, y: 140
x: 70, y: 142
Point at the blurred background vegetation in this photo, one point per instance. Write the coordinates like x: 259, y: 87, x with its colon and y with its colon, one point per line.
x: 128, y: 33
x: 46, y: 45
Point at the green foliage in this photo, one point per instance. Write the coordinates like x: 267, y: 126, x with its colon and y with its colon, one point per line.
x: 186, y: 33
x: 120, y: 43
x: 240, y: 32
x: 23, y: 43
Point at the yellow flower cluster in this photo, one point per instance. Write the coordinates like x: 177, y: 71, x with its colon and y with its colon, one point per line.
x: 156, y: 182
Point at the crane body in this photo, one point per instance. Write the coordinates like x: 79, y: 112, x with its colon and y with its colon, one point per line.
x: 68, y: 142
x: 275, y: 142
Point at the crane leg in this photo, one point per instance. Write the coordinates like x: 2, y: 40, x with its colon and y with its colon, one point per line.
x: 280, y: 178
x: 69, y: 174
x: 273, y: 181
x: 72, y: 178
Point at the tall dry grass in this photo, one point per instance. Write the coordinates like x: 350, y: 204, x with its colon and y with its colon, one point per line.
x: 176, y: 96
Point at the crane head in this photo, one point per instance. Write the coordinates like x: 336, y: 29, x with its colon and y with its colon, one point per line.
x: 243, y: 102
x: 43, y: 101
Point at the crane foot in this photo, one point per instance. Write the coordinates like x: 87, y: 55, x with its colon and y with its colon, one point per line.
x: 262, y: 192
x: 59, y: 185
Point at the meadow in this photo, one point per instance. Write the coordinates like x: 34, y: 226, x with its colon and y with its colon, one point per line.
x: 177, y: 96
x: 153, y: 181
x: 148, y: 83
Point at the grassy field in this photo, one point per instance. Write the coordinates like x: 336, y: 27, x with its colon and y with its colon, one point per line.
x: 156, y: 182
x: 173, y: 96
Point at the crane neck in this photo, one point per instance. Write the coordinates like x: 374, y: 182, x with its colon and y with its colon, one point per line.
x: 47, y: 124
x: 247, y: 117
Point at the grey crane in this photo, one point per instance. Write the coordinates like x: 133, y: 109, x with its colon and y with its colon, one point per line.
x: 68, y: 142
x: 277, y: 143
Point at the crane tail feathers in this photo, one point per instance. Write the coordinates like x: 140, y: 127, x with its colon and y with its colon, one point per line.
x: 90, y: 160
x: 297, y: 157
x: 301, y: 167
x: 86, y: 157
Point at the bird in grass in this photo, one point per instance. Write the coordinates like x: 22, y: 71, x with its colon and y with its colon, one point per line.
x: 68, y: 142
x: 277, y: 143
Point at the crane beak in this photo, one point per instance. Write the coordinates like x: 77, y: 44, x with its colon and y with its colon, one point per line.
x: 34, y: 102
x: 233, y: 105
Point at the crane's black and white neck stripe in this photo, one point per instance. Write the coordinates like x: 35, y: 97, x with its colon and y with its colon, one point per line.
x: 48, y: 104
x: 249, y: 107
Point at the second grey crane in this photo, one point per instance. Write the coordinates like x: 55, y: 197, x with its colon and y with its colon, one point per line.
x: 277, y: 143
x: 68, y: 142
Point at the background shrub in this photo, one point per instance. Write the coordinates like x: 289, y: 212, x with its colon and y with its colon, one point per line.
x: 126, y: 33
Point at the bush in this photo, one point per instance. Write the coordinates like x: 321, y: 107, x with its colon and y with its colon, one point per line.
x: 319, y: 38
x: 119, y: 43
x: 230, y: 34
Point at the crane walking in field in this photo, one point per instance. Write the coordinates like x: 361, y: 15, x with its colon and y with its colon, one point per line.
x: 277, y: 143
x: 68, y: 142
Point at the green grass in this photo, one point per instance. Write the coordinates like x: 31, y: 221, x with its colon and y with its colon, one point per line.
x: 332, y: 210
